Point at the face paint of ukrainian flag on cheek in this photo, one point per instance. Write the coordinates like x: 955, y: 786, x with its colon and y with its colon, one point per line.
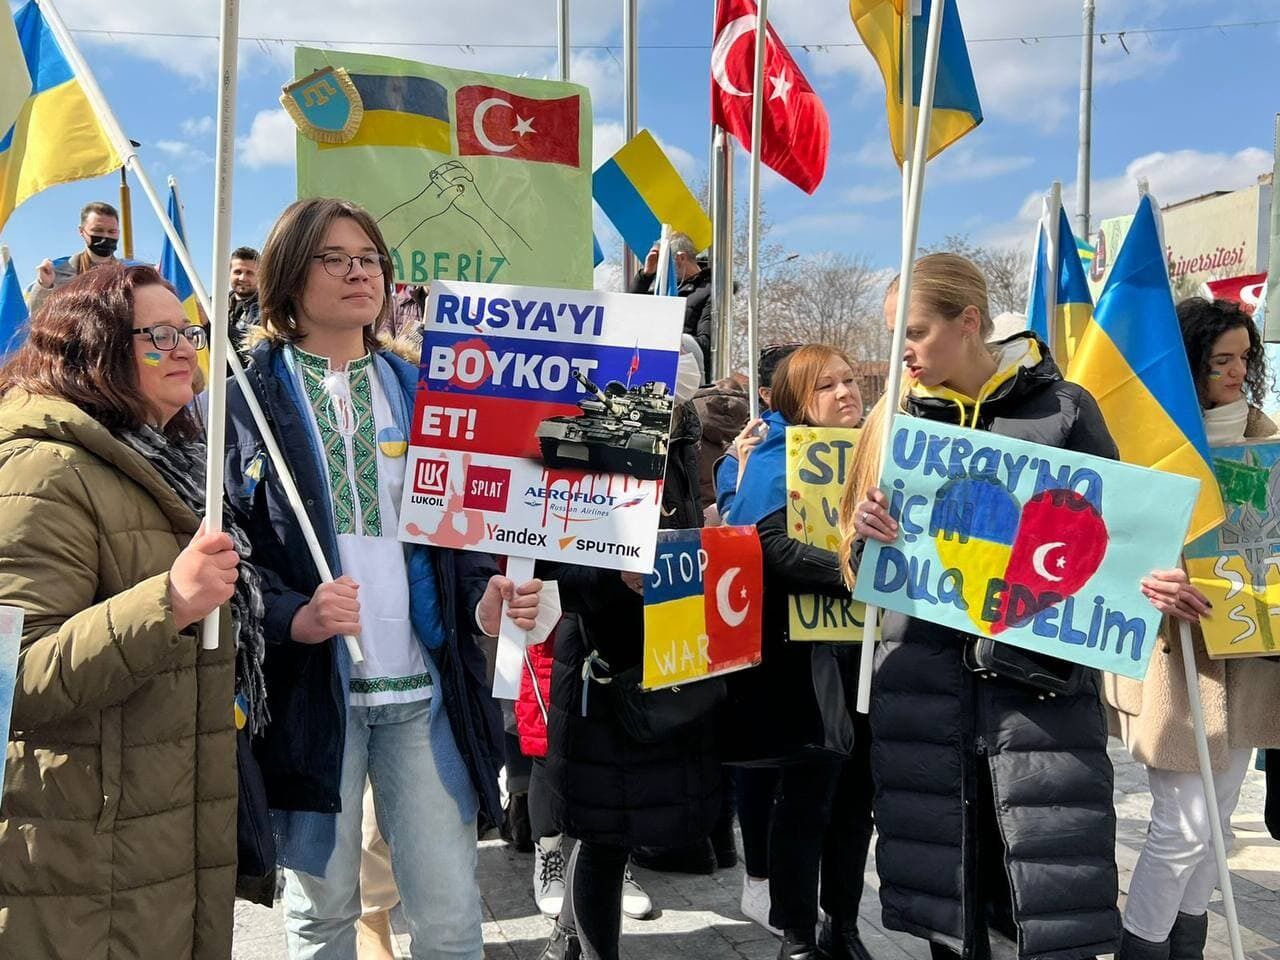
x: 392, y: 442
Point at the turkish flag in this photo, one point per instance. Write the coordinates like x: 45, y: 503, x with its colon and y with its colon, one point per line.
x: 796, y: 131
x: 733, y: 592
x: 495, y: 123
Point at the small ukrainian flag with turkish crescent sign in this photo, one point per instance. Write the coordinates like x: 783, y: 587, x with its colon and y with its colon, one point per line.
x: 956, y: 109
x: 57, y: 137
x: 639, y: 190
x: 703, y: 605
x: 1132, y: 359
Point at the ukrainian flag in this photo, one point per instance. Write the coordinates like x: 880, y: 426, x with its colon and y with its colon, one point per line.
x: 15, y: 82
x: 1131, y: 358
x: 675, y: 612
x: 171, y: 269
x: 956, y: 109
x: 639, y: 190
x: 1072, y: 303
x: 57, y: 137
x: 401, y: 111
x: 13, y: 309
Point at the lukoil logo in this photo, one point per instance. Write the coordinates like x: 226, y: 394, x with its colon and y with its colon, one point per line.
x: 431, y: 476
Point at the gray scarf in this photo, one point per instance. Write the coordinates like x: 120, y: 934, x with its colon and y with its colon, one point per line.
x: 181, y: 464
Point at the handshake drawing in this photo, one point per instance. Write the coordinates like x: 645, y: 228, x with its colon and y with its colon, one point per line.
x: 451, y: 186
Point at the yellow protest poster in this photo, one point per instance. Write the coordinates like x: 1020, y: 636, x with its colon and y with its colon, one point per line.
x: 818, y: 460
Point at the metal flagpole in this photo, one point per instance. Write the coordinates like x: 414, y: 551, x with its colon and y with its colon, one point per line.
x: 908, y: 94
x: 910, y: 236
x: 1057, y: 336
x: 753, y: 208
x: 722, y: 255
x: 630, y: 103
x: 1086, y: 123
x: 562, y: 37
x: 130, y: 158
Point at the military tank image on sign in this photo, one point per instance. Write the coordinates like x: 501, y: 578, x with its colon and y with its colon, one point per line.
x: 620, y: 430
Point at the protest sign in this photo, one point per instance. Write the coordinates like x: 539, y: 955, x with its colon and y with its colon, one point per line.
x: 818, y: 460
x: 1235, y: 565
x: 703, y: 605
x: 1034, y: 546
x: 541, y: 423
x: 10, y: 641
x: 471, y: 176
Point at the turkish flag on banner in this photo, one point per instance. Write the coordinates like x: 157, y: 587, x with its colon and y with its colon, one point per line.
x: 733, y: 588
x: 495, y: 123
x: 796, y: 130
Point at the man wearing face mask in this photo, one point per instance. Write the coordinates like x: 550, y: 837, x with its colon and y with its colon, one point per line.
x: 100, y: 231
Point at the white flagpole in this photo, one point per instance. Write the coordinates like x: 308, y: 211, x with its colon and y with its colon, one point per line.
x: 630, y: 108
x: 664, y: 261
x: 753, y: 210
x: 129, y: 156
x: 1210, y: 792
x: 910, y: 237
x: 216, y: 420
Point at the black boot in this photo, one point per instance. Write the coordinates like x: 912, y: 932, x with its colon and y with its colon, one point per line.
x: 840, y: 941
x: 561, y: 945
x: 722, y: 841
x: 799, y: 945
x: 1186, y: 939
x: 516, y: 829
x: 1133, y: 947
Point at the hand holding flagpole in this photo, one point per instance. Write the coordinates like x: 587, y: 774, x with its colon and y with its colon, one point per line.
x: 910, y: 236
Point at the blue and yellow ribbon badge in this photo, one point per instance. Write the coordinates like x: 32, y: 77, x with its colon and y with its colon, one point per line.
x: 392, y: 442
x: 253, y: 472
x: 325, y: 105
x: 242, y: 711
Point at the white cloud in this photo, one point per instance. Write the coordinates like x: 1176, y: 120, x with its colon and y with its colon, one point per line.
x: 270, y: 141
x: 1034, y: 82
x: 446, y: 33
x: 962, y: 164
x: 194, y: 127
x: 1171, y: 175
x: 601, y: 73
x: 181, y: 152
x: 868, y: 194
x: 608, y: 137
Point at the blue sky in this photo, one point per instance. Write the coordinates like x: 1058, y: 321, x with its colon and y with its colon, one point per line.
x: 1186, y: 108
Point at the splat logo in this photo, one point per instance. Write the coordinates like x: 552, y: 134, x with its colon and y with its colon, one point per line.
x: 485, y: 488
x: 431, y: 477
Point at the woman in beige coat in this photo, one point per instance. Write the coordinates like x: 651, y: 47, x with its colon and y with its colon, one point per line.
x: 1166, y: 914
x: 118, y: 818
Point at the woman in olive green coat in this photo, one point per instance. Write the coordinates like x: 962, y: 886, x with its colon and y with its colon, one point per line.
x: 118, y: 817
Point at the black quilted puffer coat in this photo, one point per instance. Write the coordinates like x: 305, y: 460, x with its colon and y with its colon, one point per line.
x: 980, y: 784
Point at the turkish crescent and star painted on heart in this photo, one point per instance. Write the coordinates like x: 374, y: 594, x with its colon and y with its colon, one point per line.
x: 1039, y: 553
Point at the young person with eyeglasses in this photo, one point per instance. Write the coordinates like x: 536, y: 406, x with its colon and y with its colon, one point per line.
x: 415, y: 718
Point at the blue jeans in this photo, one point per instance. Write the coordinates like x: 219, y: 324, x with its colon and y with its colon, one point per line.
x: 433, y: 850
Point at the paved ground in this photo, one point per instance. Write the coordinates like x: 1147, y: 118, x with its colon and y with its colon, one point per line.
x: 699, y: 916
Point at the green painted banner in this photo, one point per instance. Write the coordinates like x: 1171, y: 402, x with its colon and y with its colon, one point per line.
x: 471, y: 176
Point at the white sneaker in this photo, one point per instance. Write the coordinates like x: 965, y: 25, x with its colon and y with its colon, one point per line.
x: 755, y: 902
x: 635, y: 902
x: 548, y: 876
